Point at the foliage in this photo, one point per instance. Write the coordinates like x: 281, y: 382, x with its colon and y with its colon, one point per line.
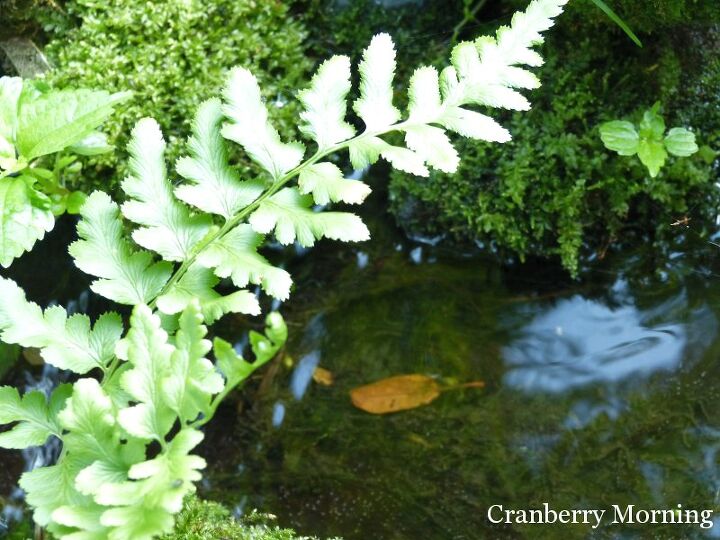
x: 203, y: 520
x: 554, y: 189
x: 651, y: 16
x: 649, y: 142
x: 173, y: 55
x: 127, y: 461
x: 41, y: 134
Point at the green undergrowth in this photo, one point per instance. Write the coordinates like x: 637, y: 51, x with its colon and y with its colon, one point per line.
x: 554, y: 190
x: 204, y: 520
x: 173, y: 55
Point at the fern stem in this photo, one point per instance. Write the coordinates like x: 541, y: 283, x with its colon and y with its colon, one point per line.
x: 245, y: 212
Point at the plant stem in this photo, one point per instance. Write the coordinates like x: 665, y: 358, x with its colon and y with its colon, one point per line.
x: 469, y: 16
x: 245, y: 212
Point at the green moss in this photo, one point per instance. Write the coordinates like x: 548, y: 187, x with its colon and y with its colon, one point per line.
x: 655, y: 15
x: 206, y: 520
x: 173, y: 55
x: 555, y: 189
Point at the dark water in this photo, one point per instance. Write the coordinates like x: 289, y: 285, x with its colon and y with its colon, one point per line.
x: 600, y: 391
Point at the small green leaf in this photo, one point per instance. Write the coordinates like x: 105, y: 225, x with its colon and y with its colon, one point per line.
x: 617, y: 20
x: 324, y: 103
x: 168, y: 227
x: 35, y: 420
x: 235, y: 256
x: 234, y: 367
x: 25, y: 217
x: 10, y: 90
x: 190, y: 385
x: 326, y: 183
x: 74, y: 202
x: 377, y: 70
x: 59, y: 119
x: 148, y: 353
x: 653, y: 156
x: 681, y: 142
x: 621, y: 137
x: 249, y: 126
x: 198, y: 284
x: 92, y: 145
x: 215, y: 186
x: 652, y: 125
x: 65, y: 342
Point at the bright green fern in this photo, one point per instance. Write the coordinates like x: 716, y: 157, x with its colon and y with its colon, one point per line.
x: 128, y: 437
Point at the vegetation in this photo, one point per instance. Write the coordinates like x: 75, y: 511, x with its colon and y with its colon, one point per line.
x: 178, y: 59
x: 41, y: 134
x: 554, y: 191
x: 127, y: 439
x: 649, y: 142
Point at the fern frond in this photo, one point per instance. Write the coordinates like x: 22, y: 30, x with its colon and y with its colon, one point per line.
x: 126, y: 276
x: 216, y: 187
x: 65, y: 342
x: 168, y: 227
x: 288, y: 214
x: 324, y: 103
x: 249, y: 126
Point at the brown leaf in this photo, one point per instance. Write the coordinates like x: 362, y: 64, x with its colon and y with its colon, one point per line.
x: 395, y: 394
x: 323, y: 376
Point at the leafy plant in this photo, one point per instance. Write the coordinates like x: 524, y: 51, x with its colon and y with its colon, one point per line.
x: 180, y: 58
x: 554, y: 192
x: 127, y: 460
x: 649, y: 141
x: 41, y: 134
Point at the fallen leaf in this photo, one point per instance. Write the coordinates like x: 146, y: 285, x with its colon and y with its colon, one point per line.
x: 395, y: 394
x: 323, y: 376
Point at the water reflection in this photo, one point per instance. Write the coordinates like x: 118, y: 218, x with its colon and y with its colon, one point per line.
x: 576, y: 342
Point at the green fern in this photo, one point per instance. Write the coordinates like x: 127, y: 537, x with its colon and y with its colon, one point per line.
x: 158, y: 385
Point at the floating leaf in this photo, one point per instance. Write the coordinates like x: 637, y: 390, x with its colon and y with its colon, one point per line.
x: 395, y: 394
x: 323, y: 376
x: 399, y: 393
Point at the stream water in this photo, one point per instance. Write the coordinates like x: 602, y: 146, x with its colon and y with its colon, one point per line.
x: 600, y: 391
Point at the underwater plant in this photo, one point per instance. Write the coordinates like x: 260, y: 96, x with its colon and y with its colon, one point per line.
x: 128, y: 436
x: 41, y: 134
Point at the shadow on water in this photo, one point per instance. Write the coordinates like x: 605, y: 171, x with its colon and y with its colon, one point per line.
x: 600, y: 391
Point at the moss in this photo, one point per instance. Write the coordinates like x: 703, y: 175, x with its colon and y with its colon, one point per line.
x: 206, y: 520
x: 555, y: 189
x: 173, y: 55
x: 645, y: 16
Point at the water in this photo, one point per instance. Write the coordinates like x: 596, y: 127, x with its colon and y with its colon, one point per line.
x: 600, y: 391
